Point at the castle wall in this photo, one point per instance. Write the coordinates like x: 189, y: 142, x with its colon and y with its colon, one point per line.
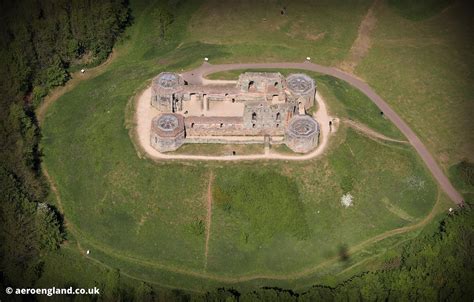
x: 260, y: 104
x: 261, y: 82
x: 261, y: 115
x: 301, y: 144
x: 225, y: 126
x: 166, y: 144
x: 302, y: 134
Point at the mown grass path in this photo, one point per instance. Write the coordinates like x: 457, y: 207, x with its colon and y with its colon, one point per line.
x: 371, y: 133
x: 208, y: 217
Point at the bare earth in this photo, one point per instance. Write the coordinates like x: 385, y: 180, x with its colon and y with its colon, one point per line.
x: 362, y: 43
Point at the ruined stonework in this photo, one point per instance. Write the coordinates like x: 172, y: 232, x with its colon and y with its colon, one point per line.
x: 166, y: 92
x: 302, y: 86
x: 167, y: 132
x: 302, y: 134
x: 260, y: 104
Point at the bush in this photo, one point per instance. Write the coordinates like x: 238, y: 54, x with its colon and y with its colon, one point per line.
x: 465, y: 170
x: 346, y: 183
x: 56, y: 74
x: 197, y: 227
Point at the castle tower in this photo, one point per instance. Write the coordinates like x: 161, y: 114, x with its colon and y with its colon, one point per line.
x: 167, y: 132
x: 303, y: 87
x: 166, y: 93
x: 302, y: 134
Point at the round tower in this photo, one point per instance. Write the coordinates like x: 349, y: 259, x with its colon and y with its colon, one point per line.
x: 302, y: 134
x: 166, y: 89
x: 303, y: 87
x: 167, y: 132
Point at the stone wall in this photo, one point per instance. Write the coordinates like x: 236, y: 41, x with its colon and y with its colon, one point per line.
x: 261, y: 115
x: 272, y: 106
x: 262, y: 82
x: 226, y: 126
x: 303, y: 88
x: 167, y: 132
x: 167, y: 144
x: 302, y: 134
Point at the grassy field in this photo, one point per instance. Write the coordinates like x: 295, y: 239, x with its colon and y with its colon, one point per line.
x: 270, y: 219
x: 421, y: 63
x: 255, y: 31
x: 420, y: 60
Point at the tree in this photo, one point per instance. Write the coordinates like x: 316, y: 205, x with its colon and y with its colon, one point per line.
x: 56, y: 74
x: 48, y: 228
x: 40, y: 40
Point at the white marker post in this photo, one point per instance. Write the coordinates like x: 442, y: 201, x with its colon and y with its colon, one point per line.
x: 308, y: 59
x: 88, y: 252
x: 206, y: 59
x: 83, y: 70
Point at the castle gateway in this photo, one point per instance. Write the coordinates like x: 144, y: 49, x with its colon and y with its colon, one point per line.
x: 260, y: 106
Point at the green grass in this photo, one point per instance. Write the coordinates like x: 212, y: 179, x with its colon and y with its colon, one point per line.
x: 68, y: 267
x: 281, y: 148
x: 219, y: 149
x: 261, y: 216
x: 423, y: 69
x: 419, y: 10
x: 254, y: 31
x: 146, y: 218
x: 238, y: 246
x: 462, y: 175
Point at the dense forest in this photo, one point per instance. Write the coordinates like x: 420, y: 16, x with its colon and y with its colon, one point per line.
x: 40, y: 41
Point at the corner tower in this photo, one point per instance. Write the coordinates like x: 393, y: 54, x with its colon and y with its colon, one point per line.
x: 303, y: 88
x: 166, y: 92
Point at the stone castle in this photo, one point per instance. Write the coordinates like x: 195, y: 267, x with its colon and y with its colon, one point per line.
x: 260, y: 107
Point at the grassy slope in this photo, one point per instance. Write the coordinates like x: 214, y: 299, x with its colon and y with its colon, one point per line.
x: 137, y: 215
x: 237, y: 247
x: 422, y: 66
x: 255, y: 31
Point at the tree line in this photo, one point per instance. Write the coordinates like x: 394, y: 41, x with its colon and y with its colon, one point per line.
x: 40, y: 41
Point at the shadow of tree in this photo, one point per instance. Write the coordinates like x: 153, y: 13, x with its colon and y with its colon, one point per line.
x: 343, y: 252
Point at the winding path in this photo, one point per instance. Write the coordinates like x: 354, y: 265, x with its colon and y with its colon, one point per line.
x: 197, y: 75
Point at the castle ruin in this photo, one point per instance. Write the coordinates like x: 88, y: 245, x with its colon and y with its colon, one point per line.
x: 260, y: 107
